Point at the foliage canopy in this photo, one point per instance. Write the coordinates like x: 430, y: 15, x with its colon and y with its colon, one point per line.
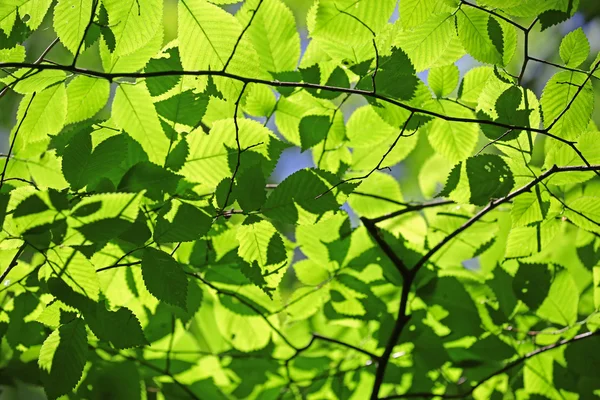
x: 146, y: 253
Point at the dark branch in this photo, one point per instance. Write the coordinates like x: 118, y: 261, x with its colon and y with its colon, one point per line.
x: 502, y: 370
x: 386, y: 248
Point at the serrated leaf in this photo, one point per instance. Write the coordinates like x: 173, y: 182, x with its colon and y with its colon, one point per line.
x: 489, y: 178
x: 455, y: 141
x: 62, y: 358
x: 584, y: 211
x: 527, y: 209
x: 313, y: 130
x: 82, y: 166
x: 184, y: 108
x: 273, y: 34
x: 71, y: 18
x: 574, y: 48
x: 133, y: 22
x: 432, y: 43
x: 487, y: 38
x: 560, y: 305
x: 167, y: 61
x: 559, y: 101
x: 207, y: 36
x: 164, y: 277
x: 250, y: 188
x: 183, y: 223
x: 46, y: 115
x: 133, y: 110
x: 443, y: 80
x: 295, y: 199
x: 150, y: 177
x: 85, y: 97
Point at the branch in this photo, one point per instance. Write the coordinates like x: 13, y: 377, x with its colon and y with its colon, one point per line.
x: 239, y: 39
x: 39, y: 60
x: 348, y: 345
x: 237, y: 142
x: 85, y: 31
x: 502, y: 370
x: 150, y: 366
x: 411, y: 208
x: 401, y: 321
x: 110, y: 76
x: 246, y: 303
x: 495, y: 14
x: 13, y: 263
x: 387, y: 249
x: 495, y: 203
x: 378, y: 166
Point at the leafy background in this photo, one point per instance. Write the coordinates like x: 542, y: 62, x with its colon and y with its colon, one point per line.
x: 134, y: 283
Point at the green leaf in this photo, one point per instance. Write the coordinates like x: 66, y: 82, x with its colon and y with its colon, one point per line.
x: 313, y: 130
x: 85, y: 97
x: 568, y: 115
x: 443, y: 80
x: 487, y: 38
x: 527, y: 209
x: 177, y: 156
x: 455, y: 141
x: 273, y: 34
x: 395, y: 78
x: 150, y: 177
x: 167, y: 61
x: 489, y: 178
x: 432, y: 43
x: 181, y: 223
x: 531, y: 284
x: 574, y: 48
x: 560, y: 306
x: 213, y: 157
x: 62, y: 358
x: 255, y: 242
x: 584, y: 211
x: 46, y: 115
x: 250, y: 188
x: 300, y: 198
x: 134, y: 112
x: 208, y: 35
x: 184, y: 108
x: 133, y: 22
x: 346, y: 21
x: 164, y: 277
x: 82, y: 166
x: 71, y: 17
x: 508, y: 109
x: 415, y: 12
x: 121, y: 327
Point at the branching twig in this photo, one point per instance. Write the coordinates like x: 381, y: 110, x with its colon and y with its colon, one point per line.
x: 237, y: 142
x: 495, y: 203
x: 85, y: 31
x: 502, y: 370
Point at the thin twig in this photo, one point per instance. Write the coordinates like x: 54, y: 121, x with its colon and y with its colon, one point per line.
x: 14, y: 139
x: 85, y: 31
x: 239, y: 39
